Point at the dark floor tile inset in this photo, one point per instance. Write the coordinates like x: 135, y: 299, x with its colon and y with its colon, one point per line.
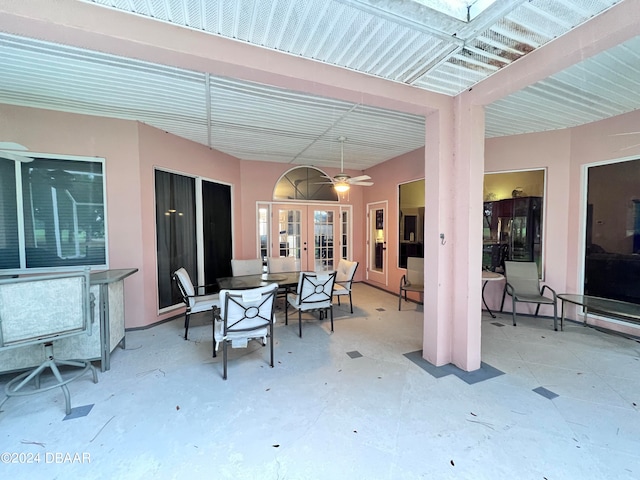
x: 485, y: 372
x: 497, y: 324
x: 380, y: 309
x: 78, y: 412
x: 546, y: 393
x: 438, y: 372
x: 354, y: 354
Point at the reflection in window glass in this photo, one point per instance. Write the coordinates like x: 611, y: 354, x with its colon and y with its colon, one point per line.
x: 323, y: 226
x: 411, y: 227
x: 263, y: 232
x: 63, y: 210
x: 512, y: 223
x: 9, y: 247
x: 345, y: 234
x: 612, y: 241
x: 64, y: 214
x: 289, y: 236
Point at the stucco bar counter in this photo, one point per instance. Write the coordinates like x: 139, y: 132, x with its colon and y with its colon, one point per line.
x: 107, y: 333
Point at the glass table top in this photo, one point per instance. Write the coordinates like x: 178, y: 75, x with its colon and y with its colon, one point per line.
x: 604, y: 305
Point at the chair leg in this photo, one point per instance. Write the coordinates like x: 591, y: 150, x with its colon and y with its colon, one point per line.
x: 350, y: 302
x: 331, y: 313
x: 555, y: 317
x: 513, y: 310
x: 300, y: 323
x: 271, y: 342
x: 537, y: 310
x: 186, y: 324
x: 504, y: 294
x: 65, y: 389
x: 224, y: 359
x: 338, y: 300
x: 286, y: 312
x: 399, y: 300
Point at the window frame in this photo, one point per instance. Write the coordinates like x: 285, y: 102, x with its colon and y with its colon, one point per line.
x: 513, y: 188
x: 20, y: 212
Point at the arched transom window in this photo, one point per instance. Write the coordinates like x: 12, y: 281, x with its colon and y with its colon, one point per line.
x: 305, y: 183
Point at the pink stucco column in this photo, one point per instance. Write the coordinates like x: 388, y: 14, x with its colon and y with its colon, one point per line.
x: 454, y: 171
x: 438, y: 310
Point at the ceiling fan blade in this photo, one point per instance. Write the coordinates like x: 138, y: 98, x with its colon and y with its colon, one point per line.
x: 360, y: 178
x: 364, y: 184
x: 18, y: 157
x: 630, y: 147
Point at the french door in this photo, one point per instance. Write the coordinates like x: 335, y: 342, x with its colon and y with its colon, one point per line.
x: 309, y: 233
x: 377, y: 242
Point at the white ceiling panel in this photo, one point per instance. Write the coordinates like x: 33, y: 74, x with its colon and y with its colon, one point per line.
x: 397, y: 40
x: 599, y: 87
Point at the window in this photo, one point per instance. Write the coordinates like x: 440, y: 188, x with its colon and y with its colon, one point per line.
x: 512, y: 223
x: 612, y: 234
x: 305, y: 183
x: 263, y: 233
x: 344, y: 232
x: 52, y: 214
x: 411, y: 227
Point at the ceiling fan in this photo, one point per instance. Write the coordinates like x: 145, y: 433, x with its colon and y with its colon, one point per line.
x: 342, y: 182
x: 624, y: 134
x: 14, y: 152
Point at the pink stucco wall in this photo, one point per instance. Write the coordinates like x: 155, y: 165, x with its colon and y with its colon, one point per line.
x: 549, y: 151
x: 564, y: 154
x: 454, y: 153
x: 158, y: 149
x: 116, y: 141
x: 387, y: 177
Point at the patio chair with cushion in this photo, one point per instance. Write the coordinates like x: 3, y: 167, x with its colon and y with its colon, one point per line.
x: 344, y: 279
x: 37, y: 311
x: 314, y: 294
x: 523, y: 286
x: 244, y: 315
x: 194, y: 302
x: 413, y: 280
x: 251, y: 266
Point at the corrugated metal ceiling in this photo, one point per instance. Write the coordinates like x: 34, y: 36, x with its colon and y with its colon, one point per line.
x: 397, y: 40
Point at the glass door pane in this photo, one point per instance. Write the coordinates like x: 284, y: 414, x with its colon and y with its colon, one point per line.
x: 176, y: 233
x: 323, y: 239
x: 288, y: 240
x: 376, y: 242
x: 306, y: 233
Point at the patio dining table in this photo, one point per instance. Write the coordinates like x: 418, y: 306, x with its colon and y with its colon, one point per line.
x: 286, y: 280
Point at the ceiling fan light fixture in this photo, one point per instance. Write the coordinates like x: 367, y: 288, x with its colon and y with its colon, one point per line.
x: 341, y: 187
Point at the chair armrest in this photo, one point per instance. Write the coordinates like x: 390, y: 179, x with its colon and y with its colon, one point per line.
x: 544, y: 287
x: 207, y: 285
x: 509, y: 289
x: 197, y: 288
x: 403, y: 280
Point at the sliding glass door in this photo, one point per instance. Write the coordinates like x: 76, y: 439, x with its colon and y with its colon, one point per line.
x: 612, y: 233
x: 193, y: 230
